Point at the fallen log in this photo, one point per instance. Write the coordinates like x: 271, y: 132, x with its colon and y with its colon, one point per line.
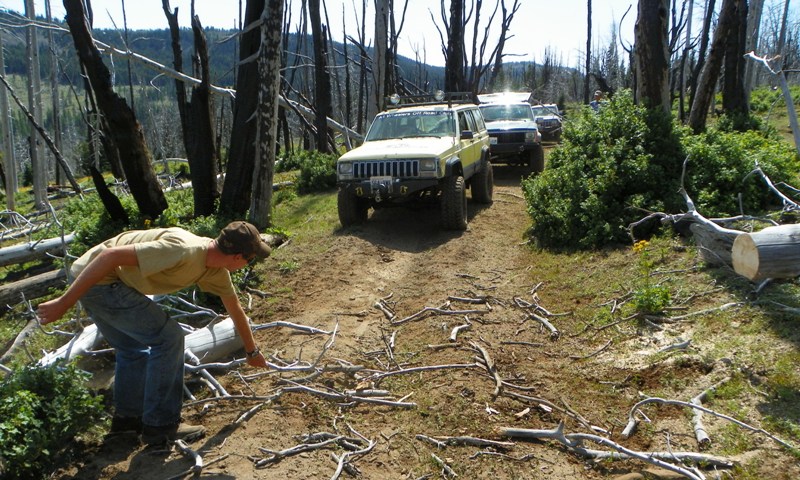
x: 88, y: 340
x: 26, y: 252
x: 773, y: 252
x: 214, y: 341
x: 32, y: 287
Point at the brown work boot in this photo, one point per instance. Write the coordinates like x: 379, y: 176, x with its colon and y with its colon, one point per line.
x: 158, y: 436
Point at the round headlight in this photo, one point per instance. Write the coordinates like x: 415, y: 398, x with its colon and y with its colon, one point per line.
x: 394, y: 99
x: 346, y: 168
x: 438, y: 95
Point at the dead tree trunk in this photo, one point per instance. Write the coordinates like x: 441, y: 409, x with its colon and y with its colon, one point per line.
x: 269, y: 63
x: 754, y: 12
x: 588, y: 64
x: 701, y: 54
x: 454, y: 61
x: 198, y: 128
x: 710, y: 73
x: 652, y: 55
x: 38, y: 162
x: 379, y: 58
x: 734, y: 94
x: 237, y: 189
x: 124, y: 129
x: 322, y: 79
x: 54, y: 94
x: 9, y: 160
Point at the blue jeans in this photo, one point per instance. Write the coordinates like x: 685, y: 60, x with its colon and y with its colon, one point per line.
x: 149, y: 347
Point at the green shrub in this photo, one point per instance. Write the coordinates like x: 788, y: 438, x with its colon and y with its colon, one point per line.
x: 290, y: 161
x: 317, y: 173
x: 718, y: 168
x: 766, y: 99
x: 618, y: 163
x: 41, y: 410
x: 611, y: 164
x: 91, y: 223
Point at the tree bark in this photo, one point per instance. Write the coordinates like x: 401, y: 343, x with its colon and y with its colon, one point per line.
x: 454, y: 61
x: 33, y: 287
x: 322, y: 79
x: 710, y: 73
x: 755, y: 10
x: 198, y: 128
x: 379, y: 58
x: 701, y: 54
x: 588, y: 64
x: 652, y: 55
x: 123, y: 126
x: 38, y: 161
x: 237, y: 189
x: 54, y: 94
x: 10, y: 183
x: 734, y: 95
x: 30, y: 251
x: 269, y: 63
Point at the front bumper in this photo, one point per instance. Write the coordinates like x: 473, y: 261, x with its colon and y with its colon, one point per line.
x: 380, y: 189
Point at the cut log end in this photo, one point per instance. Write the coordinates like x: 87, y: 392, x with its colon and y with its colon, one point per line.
x: 745, y: 257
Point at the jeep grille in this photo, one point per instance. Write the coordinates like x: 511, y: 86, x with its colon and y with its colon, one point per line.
x: 386, y: 168
x: 510, y: 137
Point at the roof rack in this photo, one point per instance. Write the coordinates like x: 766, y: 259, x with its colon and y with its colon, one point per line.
x: 458, y: 98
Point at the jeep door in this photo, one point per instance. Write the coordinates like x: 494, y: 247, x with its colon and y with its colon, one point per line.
x: 470, y: 154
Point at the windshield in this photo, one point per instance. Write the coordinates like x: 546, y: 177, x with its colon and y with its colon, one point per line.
x: 494, y: 113
x: 412, y: 124
x: 543, y: 111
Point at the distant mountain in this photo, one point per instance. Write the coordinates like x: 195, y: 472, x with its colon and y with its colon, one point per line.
x: 155, y: 44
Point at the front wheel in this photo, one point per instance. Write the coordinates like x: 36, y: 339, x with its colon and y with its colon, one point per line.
x: 352, y: 209
x: 482, y: 185
x: 454, y: 204
x: 535, y: 160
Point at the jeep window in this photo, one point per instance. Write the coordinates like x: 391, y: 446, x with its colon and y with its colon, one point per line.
x: 463, y: 122
x: 411, y: 124
x: 494, y: 113
x: 478, y: 118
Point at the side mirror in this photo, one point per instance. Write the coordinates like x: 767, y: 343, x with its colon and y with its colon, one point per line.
x: 467, y: 135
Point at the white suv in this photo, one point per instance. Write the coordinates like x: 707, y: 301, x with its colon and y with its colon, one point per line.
x: 514, y: 135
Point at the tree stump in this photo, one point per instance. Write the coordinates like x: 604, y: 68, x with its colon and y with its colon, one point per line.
x: 773, y: 252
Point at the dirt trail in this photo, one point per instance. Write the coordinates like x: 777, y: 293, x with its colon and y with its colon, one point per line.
x: 405, y: 258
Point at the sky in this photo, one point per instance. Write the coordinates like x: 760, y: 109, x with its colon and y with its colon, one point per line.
x: 559, y: 25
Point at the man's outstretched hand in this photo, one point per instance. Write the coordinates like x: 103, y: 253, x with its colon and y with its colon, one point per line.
x: 52, y: 310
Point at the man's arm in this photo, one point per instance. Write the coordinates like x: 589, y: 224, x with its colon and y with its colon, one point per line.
x: 234, y: 309
x: 103, y: 264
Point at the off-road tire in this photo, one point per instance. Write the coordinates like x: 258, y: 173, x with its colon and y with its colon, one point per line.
x: 482, y: 185
x: 352, y: 209
x: 454, y: 203
x: 535, y: 160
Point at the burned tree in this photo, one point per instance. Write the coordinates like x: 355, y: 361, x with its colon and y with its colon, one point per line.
x: 236, y: 190
x: 195, y: 114
x: 123, y: 127
x: 322, y: 79
x: 652, y: 56
x: 269, y: 62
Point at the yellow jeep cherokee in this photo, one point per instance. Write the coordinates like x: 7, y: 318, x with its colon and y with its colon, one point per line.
x: 427, y: 150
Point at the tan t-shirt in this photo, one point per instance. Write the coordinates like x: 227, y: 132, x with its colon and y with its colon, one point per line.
x: 170, y: 259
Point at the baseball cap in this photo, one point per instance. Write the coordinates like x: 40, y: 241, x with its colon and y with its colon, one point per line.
x: 243, y: 238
